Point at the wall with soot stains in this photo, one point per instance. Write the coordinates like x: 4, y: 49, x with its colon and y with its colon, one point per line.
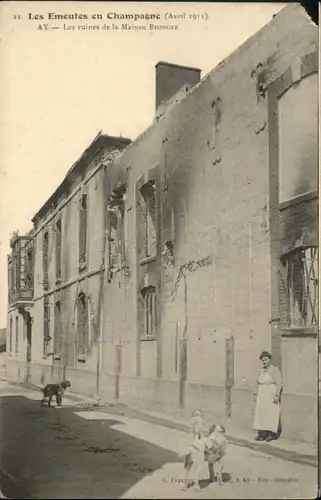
x: 211, y: 155
x: 298, y: 137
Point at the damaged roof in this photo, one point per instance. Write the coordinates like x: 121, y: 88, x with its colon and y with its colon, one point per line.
x: 100, y: 140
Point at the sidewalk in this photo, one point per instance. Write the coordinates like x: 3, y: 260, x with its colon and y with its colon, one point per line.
x: 299, y: 452
x: 293, y: 451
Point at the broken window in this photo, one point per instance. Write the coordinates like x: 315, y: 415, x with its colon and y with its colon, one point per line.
x: 149, y: 304
x: 82, y: 326
x: 57, y: 330
x: 45, y: 247
x: 168, y: 254
x: 58, y: 249
x: 302, y: 287
x: 148, y: 215
x: 83, y: 215
x: 116, y: 236
x: 46, y: 326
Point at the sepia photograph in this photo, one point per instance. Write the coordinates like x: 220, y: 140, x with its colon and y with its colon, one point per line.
x: 159, y: 235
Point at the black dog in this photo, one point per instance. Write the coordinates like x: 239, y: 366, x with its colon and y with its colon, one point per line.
x: 57, y: 390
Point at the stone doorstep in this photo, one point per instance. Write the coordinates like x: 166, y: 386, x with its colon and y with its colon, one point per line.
x: 292, y: 451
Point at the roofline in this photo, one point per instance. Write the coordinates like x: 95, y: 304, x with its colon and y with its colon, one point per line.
x: 238, y: 50
x: 244, y: 46
x: 90, y: 150
x: 173, y: 65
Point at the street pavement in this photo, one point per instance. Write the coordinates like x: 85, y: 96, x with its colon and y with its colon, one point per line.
x: 81, y: 451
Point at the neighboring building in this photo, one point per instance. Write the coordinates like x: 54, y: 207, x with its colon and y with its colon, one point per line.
x: 164, y: 267
x: 20, y: 303
x: 69, y: 238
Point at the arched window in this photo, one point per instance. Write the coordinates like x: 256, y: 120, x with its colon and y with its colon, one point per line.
x: 116, y: 226
x: 148, y: 218
x: 115, y: 237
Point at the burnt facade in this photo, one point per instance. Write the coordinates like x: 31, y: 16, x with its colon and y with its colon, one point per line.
x: 162, y: 267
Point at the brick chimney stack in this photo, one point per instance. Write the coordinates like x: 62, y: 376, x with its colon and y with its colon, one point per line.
x: 170, y: 78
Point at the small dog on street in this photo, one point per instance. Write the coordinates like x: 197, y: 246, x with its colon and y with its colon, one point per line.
x: 57, y: 390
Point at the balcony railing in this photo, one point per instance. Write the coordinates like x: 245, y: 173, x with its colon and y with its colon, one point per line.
x: 20, y: 270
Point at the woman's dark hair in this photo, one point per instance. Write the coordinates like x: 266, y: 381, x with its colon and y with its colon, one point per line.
x: 265, y: 354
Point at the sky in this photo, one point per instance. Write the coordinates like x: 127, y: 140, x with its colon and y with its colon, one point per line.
x: 60, y: 87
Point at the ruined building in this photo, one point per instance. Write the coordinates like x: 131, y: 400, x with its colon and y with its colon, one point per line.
x: 162, y: 267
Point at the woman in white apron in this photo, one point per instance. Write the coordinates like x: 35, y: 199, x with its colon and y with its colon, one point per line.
x: 268, y: 394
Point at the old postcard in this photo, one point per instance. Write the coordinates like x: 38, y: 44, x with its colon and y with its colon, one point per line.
x: 159, y: 250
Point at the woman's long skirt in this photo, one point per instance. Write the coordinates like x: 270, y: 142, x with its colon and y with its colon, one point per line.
x: 267, y: 413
